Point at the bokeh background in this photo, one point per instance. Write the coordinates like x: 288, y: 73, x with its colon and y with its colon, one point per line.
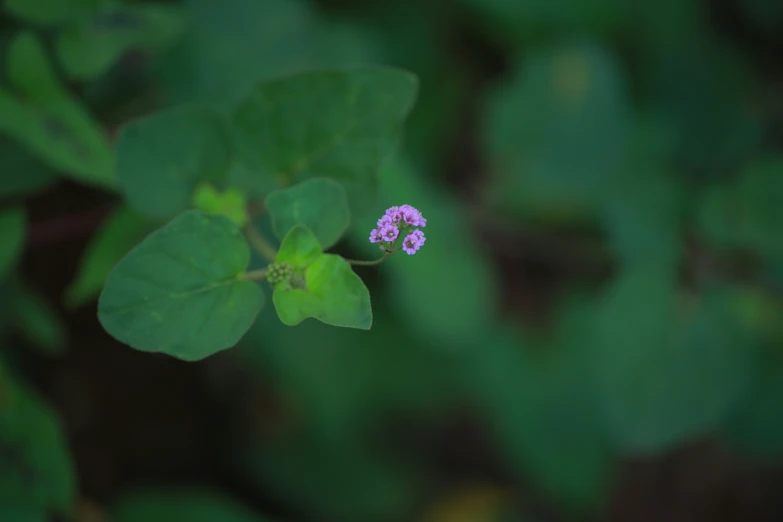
x: 593, y: 331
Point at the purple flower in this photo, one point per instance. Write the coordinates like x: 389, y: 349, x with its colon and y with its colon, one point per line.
x: 389, y: 232
x: 390, y: 224
x: 413, y: 242
x: 394, y: 214
x: 411, y: 216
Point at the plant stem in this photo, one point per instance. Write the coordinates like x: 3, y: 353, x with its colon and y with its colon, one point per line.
x: 254, y: 275
x: 255, y: 208
x: 260, y: 244
x: 358, y: 262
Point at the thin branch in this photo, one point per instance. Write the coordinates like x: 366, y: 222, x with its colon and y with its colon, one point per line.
x: 256, y: 208
x: 254, y: 275
x: 358, y: 262
x: 261, y: 244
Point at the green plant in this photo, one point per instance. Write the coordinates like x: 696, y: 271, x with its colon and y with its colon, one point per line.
x: 602, y: 280
x: 319, y: 138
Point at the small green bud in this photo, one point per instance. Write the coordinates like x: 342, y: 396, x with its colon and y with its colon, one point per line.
x: 278, y: 272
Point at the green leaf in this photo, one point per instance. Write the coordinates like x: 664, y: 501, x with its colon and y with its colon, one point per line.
x: 665, y: 373
x: 340, y: 124
x: 48, y: 121
x: 180, y: 291
x: 88, y: 47
x: 38, y: 322
x: 231, y: 203
x: 161, y: 158
x: 50, y: 12
x: 300, y: 248
x: 12, y: 232
x: 36, y: 472
x: 332, y: 293
x: 21, y: 173
x: 119, y: 233
x: 324, y: 286
x: 181, y: 505
x: 556, y: 130
x: 320, y: 204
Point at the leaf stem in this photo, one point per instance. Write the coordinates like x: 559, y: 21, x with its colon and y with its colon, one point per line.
x: 254, y: 275
x: 374, y: 262
x: 256, y: 208
x: 260, y: 243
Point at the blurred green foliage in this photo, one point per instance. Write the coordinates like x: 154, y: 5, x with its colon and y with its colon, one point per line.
x: 37, y: 474
x: 634, y: 151
x: 47, y: 120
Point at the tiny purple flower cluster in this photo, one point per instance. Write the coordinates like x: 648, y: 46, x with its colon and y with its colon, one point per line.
x: 395, y: 220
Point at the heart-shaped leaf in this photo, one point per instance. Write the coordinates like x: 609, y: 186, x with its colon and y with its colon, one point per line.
x: 181, y: 290
x: 320, y: 204
x: 161, y: 158
x: 338, y: 124
x: 323, y: 286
